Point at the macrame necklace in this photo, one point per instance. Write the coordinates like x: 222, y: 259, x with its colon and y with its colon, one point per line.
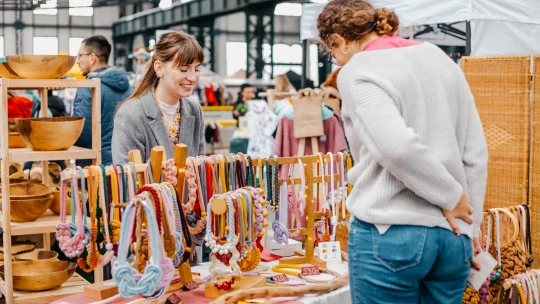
x: 272, y: 204
x: 71, y: 246
x: 250, y: 176
x: 253, y: 257
x: 178, y: 223
x: 279, y: 226
x: 297, y: 201
x: 342, y: 228
x: 108, y: 253
x: 171, y: 238
x: 157, y: 274
x: 333, y: 218
x: 114, y: 222
x: 92, y: 258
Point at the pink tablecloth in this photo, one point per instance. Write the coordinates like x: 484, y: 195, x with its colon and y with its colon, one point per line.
x: 191, y: 297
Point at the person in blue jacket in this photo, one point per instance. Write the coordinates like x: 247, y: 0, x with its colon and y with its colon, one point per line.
x: 93, y: 61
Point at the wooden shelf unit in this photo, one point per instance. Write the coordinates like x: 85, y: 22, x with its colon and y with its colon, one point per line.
x: 46, y: 224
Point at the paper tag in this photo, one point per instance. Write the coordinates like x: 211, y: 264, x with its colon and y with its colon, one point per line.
x: 330, y: 251
x: 109, y: 283
x: 280, y: 278
x: 310, y: 270
x: 191, y: 286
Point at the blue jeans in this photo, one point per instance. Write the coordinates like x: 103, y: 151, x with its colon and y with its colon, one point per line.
x: 407, y: 264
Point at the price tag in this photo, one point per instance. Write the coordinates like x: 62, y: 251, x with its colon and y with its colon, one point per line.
x: 191, y: 286
x: 330, y: 251
x: 310, y: 270
x: 280, y: 278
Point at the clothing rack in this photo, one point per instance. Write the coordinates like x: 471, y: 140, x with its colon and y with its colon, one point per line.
x: 272, y: 95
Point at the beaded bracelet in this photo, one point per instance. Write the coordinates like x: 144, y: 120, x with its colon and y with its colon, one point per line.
x: 158, y: 272
x: 70, y: 246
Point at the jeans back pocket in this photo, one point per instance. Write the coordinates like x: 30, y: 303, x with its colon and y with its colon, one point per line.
x: 400, y: 247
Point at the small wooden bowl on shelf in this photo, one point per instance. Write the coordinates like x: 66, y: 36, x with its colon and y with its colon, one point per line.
x: 7, y: 72
x: 29, y: 210
x: 28, y: 201
x: 55, y: 205
x: 15, y: 140
x: 50, y: 133
x: 40, y: 275
x: 36, y: 255
x: 27, y: 191
x: 40, y: 66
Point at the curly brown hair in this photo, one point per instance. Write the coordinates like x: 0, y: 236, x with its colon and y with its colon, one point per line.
x: 354, y: 20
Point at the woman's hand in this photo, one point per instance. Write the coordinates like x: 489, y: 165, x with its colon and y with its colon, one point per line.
x: 463, y: 211
x: 477, y: 248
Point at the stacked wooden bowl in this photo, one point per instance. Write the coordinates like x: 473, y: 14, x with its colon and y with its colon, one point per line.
x: 39, y: 275
x: 50, y: 133
x: 36, y: 66
x: 28, y: 201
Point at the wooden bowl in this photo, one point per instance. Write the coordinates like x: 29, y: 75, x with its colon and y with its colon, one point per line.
x: 12, y: 127
x: 40, y: 275
x: 7, y: 72
x: 40, y: 255
x: 27, y: 191
x: 41, y: 66
x: 50, y: 133
x: 29, y: 210
x: 15, y: 140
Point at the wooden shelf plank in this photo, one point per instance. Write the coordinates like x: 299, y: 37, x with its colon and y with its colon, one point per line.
x: 27, y: 154
x: 51, y: 83
x: 44, y: 224
x: 74, y: 285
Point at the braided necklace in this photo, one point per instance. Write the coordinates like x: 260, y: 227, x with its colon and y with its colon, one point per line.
x: 70, y: 246
x: 250, y: 176
x: 157, y: 273
x: 173, y: 128
x: 92, y: 259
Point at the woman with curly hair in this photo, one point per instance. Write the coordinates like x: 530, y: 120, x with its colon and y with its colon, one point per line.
x: 420, y: 159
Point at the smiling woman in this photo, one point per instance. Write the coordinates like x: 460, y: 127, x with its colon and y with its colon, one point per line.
x: 157, y: 113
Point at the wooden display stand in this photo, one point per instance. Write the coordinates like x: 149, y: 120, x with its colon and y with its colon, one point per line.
x: 311, y: 216
x: 157, y: 155
x: 241, y: 283
x: 219, y: 206
x: 46, y: 224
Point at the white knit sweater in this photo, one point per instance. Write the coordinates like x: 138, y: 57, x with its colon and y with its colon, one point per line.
x: 415, y: 136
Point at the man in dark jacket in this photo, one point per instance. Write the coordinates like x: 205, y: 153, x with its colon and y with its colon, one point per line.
x: 93, y: 60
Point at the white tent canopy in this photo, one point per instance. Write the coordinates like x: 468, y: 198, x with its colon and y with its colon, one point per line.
x: 498, y: 27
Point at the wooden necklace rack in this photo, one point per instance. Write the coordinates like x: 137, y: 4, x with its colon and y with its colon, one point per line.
x: 157, y: 155
x: 311, y: 216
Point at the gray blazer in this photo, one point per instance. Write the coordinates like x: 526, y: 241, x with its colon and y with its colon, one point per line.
x: 138, y: 125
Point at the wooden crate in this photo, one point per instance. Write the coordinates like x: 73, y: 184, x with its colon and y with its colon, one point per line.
x: 501, y: 88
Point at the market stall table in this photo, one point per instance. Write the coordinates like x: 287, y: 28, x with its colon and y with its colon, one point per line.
x: 341, y: 295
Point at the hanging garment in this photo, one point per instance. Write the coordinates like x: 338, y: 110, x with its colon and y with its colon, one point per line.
x: 211, y: 99
x: 19, y: 107
x: 261, y: 122
x: 287, y: 145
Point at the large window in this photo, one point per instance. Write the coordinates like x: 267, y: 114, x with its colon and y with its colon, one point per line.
x: 47, y: 8
x: 81, y: 8
x: 74, y: 45
x: 288, y: 9
x: 1, y: 46
x: 45, y: 45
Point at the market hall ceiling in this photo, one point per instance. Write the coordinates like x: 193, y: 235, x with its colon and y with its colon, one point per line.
x: 9, y: 5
